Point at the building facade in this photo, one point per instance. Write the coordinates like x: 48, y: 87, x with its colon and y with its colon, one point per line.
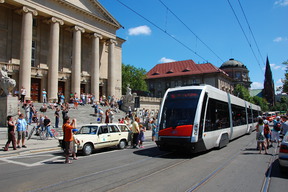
x: 183, y: 73
x: 238, y: 72
x: 61, y: 46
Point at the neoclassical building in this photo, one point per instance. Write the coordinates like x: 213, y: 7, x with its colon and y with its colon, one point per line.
x: 187, y: 72
x: 61, y: 46
x: 237, y: 71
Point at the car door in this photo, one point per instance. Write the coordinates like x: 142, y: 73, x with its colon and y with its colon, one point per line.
x: 103, y: 137
x: 115, y: 135
x: 125, y: 131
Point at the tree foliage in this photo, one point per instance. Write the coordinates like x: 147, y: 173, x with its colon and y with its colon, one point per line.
x: 285, y: 80
x: 135, y: 77
x: 241, y: 92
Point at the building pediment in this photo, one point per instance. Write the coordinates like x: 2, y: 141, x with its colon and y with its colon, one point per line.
x: 92, y: 8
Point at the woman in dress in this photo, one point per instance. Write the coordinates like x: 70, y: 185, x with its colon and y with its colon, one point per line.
x: 260, y: 135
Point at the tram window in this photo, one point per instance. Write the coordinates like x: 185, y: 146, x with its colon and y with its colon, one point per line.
x: 179, y: 108
x: 255, y: 115
x: 217, y: 116
x: 238, y: 115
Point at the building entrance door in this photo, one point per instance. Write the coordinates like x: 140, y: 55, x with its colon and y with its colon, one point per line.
x: 35, y: 89
x: 83, y: 90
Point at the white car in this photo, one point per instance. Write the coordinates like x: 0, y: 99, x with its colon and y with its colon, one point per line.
x: 283, y: 151
x: 97, y: 136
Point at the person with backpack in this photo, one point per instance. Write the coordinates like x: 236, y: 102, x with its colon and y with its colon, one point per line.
x: 267, y: 133
x: 275, y: 133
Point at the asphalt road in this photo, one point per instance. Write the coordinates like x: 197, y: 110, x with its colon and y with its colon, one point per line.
x: 237, y: 167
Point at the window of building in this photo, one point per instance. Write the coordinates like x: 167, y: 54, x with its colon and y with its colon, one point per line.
x: 33, y: 55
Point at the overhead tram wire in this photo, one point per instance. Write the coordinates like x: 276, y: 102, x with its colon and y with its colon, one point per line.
x: 251, y: 32
x: 190, y: 30
x: 244, y: 34
x: 164, y: 31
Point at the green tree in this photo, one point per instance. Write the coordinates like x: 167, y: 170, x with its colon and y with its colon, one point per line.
x: 135, y: 77
x: 241, y: 92
x: 261, y: 102
x: 285, y: 80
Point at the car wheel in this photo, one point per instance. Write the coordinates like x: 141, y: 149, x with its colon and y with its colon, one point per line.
x: 87, y: 149
x: 122, y: 144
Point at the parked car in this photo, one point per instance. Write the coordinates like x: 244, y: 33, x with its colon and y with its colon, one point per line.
x: 283, y: 152
x: 98, y: 136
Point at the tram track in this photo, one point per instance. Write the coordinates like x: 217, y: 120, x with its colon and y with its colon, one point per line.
x: 136, y: 178
x: 194, y: 187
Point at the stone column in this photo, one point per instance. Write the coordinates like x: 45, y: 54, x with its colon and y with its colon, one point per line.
x: 26, y: 50
x: 53, y: 58
x: 76, y: 60
x: 111, y: 68
x: 95, y: 74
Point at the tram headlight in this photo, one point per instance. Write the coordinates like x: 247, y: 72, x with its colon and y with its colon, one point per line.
x: 195, y: 129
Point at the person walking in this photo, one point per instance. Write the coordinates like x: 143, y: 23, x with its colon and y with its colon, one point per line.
x: 23, y: 94
x: 111, y: 116
x: 267, y: 133
x: 64, y: 113
x: 153, y: 127
x: 260, y: 135
x: 11, y: 133
x: 21, y: 130
x: 141, y: 135
x: 44, y: 96
x: 284, y: 126
x: 68, y: 137
x: 135, y: 130
x: 276, y: 130
x: 47, y: 124
x: 107, y: 113
x: 57, y: 117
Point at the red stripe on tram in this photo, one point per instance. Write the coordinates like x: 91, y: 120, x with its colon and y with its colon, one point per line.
x: 183, y: 131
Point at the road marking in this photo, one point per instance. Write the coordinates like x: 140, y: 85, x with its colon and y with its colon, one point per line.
x: 10, y: 160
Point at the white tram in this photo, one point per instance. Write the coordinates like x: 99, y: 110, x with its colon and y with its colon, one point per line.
x: 198, y: 118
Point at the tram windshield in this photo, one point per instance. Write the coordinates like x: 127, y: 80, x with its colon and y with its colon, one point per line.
x: 179, y: 108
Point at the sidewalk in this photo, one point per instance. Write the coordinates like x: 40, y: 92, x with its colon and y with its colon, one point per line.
x: 83, y: 115
x: 35, y: 145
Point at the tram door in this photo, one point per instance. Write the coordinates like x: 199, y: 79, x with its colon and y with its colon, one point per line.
x: 35, y: 89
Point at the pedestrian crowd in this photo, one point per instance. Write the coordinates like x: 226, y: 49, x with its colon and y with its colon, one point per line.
x: 266, y: 136
x: 18, y: 128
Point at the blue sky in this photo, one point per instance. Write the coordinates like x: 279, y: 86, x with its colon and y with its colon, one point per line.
x: 214, y: 23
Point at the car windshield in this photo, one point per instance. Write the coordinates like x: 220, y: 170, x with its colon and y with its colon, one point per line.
x: 88, y: 130
x: 179, y: 108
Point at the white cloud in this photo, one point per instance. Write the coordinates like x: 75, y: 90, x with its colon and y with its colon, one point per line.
x: 141, y: 30
x: 282, y: 3
x: 279, y: 81
x: 166, y: 60
x: 257, y: 85
x: 274, y: 66
x: 280, y: 39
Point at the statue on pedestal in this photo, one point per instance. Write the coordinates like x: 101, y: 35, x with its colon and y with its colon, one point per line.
x: 6, y: 83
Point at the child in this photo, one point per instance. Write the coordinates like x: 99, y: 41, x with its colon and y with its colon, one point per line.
x: 267, y: 132
x: 75, y: 143
x: 141, y: 135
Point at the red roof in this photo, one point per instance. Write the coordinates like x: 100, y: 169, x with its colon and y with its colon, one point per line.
x: 180, y: 68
